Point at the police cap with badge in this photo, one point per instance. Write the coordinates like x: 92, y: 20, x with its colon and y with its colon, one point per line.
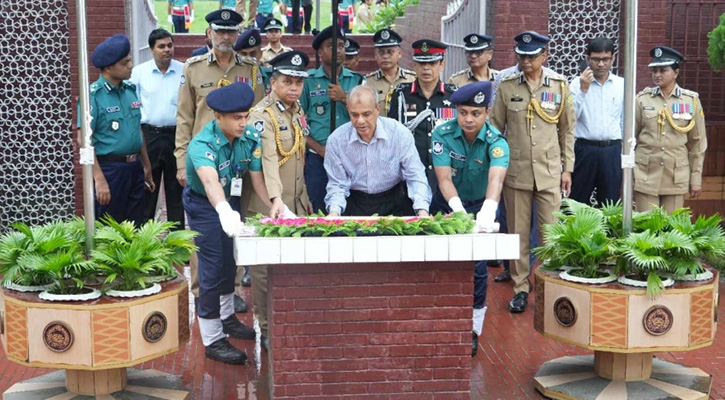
x: 386, y: 38
x: 352, y: 47
x: 224, y: 20
x: 476, y: 42
x: 111, y: 51
x: 291, y: 63
x: 237, y: 97
x: 530, y: 43
x: 663, y: 56
x: 324, y: 35
x: 476, y: 94
x: 427, y: 50
x: 250, y: 38
x: 272, y: 24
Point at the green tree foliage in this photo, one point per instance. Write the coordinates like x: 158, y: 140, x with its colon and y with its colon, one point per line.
x: 385, y: 16
x: 716, y: 47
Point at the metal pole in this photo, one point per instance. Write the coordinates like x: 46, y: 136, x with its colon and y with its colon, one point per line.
x: 85, y: 116
x: 630, y: 87
x: 333, y: 73
x: 317, y: 15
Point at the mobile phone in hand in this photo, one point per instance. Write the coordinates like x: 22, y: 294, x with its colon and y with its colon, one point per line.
x: 583, y: 65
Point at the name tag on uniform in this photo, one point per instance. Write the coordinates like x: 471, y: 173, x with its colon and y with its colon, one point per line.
x: 223, y: 165
x: 320, y: 92
x: 236, y: 189
x: 517, y: 99
x: 113, y: 109
x: 457, y: 156
x: 206, y: 85
x: 135, y: 105
x: 648, y: 108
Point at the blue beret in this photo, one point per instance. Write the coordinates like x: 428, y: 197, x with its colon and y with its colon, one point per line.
x: 325, y: 34
x: 111, y: 51
x: 272, y: 23
x: 352, y: 47
x: 387, y: 37
x: 250, y: 38
x: 663, y: 56
x: 224, y: 19
x: 475, y: 42
x: 292, y: 63
x: 476, y: 94
x: 530, y: 43
x: 231, y: 98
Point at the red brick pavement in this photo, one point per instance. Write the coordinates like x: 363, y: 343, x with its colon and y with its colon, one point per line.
x: 511, y: 353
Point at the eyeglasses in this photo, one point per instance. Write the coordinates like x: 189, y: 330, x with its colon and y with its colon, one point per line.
x: 597, y: 60
x: 474, y: 54
x: 386, y: 52
x: 530, y: 57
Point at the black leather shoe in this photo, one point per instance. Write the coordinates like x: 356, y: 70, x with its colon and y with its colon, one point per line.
x: 232, y: 327
x: 474, y: 348
x: 493, y: 263
x: 196, y: 305
x: 504, y: 276
x: 223, y: 351
x: 240, y: 306
x: 246, y: 279
x: 518, y: 303
x: 265, y: 342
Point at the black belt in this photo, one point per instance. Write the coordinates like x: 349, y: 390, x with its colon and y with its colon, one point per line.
x: 599, y: 143
x: 473, y: 202
x: 162, y: 130
x: 393, y: 190
x: 131, y: 158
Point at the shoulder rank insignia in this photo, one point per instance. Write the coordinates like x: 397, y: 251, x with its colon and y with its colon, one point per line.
x: 258, y: 152
x: 497, y: 152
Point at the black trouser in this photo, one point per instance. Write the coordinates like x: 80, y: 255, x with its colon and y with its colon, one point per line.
x: 597, y: 165
x: 308, y: 17
x: 393, y: 201
x: 160, y: 147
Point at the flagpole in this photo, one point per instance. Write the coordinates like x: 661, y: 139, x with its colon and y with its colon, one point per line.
x: 87, y: 156
x: 630, y: 87
x: 333, y: 78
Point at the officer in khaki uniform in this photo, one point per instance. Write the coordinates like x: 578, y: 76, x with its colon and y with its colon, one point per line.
x: 273, y: 30
x: 535, y: 110
x: 279, y: 121
x: 479, y: 51
x: 201, y: 75
x: 671, y: 140
x: 390, y: 74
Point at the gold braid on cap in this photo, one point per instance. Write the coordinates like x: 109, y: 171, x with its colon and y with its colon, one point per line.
x: 534, y: 106
x: 299, y: 143
x: 664, y: 114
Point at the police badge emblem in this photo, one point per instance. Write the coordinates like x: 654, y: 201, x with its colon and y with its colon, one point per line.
x: 252, y: 41
x: 320, y: 110
x: 474, y: 39
x: 347, y: 43
x: 424, y: 48
x: 437, y: 147
x: 258, y: 152
x: 385, y: 35
x: 296, y: 60
x: 480, y: 97
x: 210, y: 156
x: 223, y: 181
x: 497, y: 152
x: 259, y: 126
x: 658, y: 52
x: 226, y: 15
x: 115, y: 125
x: 527, y: 38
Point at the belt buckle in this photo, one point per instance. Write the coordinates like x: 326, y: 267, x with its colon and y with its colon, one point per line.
x: 131, y: 158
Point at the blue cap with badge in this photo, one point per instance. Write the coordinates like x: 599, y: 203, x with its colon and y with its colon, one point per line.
x: 476, y: 94
x: 248, y: 39
x: 476, y: 42
x: 224, y: 19
x: 237, y: 97
x: 352, y: 47
x: 387, y: 37
x: 291, y: 63
x: 530, y: 43
x: 111, y: 51
x: 663, y: 56
x: 272, y: 23
x: 325, y: 34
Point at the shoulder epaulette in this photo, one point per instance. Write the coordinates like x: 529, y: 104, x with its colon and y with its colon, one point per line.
x: 647, y: 90
x: 461, y: 72
x: 370, y: 75
x: 513, y: 75
x: 94, y: 87
x: 246, y: 60
x: 132, y: 86
x: 192, y: 60
x: 690, y: 93
x: 451, y: 87
x: 403, y: 86
x: 409, y: 72
x: 448, y: 127
x: 557, y: 76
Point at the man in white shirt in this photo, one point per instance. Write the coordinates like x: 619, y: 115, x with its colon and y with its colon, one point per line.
x: 599, y: 104
x: 157, y: 87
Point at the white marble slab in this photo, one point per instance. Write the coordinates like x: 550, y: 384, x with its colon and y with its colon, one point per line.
x: 479, y: 246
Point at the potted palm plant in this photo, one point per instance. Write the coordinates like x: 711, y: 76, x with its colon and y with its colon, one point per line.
x: 133, y: 259
x: 578, y: 243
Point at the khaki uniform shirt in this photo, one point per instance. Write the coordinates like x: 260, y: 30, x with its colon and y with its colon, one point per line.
x: 539, y: 148
x: 201, y: 75
x: 668, y: 161
x: 287, y: 180
x: 268, y: 53
x: 466, y: 76
x: 384, y: 88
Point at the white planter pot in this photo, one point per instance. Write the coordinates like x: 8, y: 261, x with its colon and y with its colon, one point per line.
x: 92, y: 295
x: 565, y: 275
x: 704, y: 276
x: 636, y: 283
x: 153, y: 289
x: 161, y: 278
x: 23, y: 288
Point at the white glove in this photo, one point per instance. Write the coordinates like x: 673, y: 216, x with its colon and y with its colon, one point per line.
x: 191, y: 19
x: 170, y: 20
x: 231, y: 220
x: 288, y: 214
x: 485, y: 219
x: 455, y: 204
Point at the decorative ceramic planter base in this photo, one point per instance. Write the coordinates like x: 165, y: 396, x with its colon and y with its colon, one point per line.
x: 580, y: 377
x: 70, y: 384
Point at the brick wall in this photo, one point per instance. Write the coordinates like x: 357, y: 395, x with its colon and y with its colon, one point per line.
x: 328, y: 340
x: 104, y: 18
x: 422, y: 21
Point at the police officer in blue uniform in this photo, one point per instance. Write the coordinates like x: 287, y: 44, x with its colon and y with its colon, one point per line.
x: 122, y: 170
x: 217, y: 157
x: 470, y: 157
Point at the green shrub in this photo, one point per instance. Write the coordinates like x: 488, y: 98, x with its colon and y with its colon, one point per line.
x: 716, y: 46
